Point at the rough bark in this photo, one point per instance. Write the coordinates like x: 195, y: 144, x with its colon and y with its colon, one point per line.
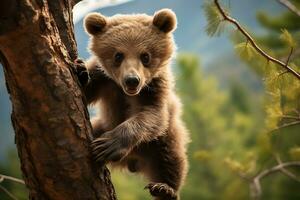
x: 52, y: 128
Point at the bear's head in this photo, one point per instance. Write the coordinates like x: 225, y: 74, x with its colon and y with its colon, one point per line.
x: 132, y: 49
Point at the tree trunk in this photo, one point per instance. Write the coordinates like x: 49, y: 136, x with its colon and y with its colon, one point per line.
x: 52, y: 128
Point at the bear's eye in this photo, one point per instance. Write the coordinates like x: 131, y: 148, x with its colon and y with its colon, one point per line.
x: 145, y: 58
x: 119, y: 57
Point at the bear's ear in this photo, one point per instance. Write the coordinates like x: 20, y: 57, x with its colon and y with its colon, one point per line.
x: 165, y: 20
x: 94, y: 23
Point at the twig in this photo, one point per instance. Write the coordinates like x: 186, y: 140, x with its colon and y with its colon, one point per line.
x: 3, y: 177
x: 290, y: 6
x: 289, y: 56
x: 297, y: 112
x: 244, y: 176
x: 8, y: 193
x: 296, y: 54
x: 282, y: 73
x: 255, y: 186
x: 285, y: 126
x: 285, y: 171
x: 253, y: 43
x: 290, y: 117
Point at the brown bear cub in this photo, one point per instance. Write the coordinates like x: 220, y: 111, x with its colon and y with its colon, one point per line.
x: 130, y: 79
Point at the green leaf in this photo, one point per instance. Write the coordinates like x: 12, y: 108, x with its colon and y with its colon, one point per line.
x: 287, y: 38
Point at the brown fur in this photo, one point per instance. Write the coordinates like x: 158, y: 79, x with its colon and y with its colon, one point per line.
x: 141, y: 131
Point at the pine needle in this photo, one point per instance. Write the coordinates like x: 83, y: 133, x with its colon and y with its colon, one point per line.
x: 245, y: 50
x: 215, y: 22
x: 287, y: 38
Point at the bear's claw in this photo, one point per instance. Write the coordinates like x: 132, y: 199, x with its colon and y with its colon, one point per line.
x: 161, y: 190
x: 81, y: 71
x: 107, y: 149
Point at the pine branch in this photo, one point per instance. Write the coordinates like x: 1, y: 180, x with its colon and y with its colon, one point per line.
x: 253, y: 43
x: 290, y: 6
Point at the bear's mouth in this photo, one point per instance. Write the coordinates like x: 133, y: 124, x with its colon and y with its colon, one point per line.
x: 131, y: 91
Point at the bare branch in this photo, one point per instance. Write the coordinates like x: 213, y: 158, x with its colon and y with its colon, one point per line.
x: 289, y: 56
x: 276, y: 168
x: 244, y: 176
x: 8, y: 193
x: 287, y: 62
x: 253, y: 43
x: 290, y: 6
x: 282, y: 73
x: 285, y: 126
x: 296, y: 54
x: 255, y: 186
x: 3, y: 177
x: 290, y: 117
x: 285, y: 171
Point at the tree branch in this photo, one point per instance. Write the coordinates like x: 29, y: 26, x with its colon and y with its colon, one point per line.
x: 286, y: 125
x: 16, y: 180
x: 290, y: 117
x: 3, y: 177
x: 296, y: 54
x: 8, y: 193
x: 253, y: 43
x: 255, y: 186
x: 289, y: 57
x: 290, y: 6
x: 285, y: 171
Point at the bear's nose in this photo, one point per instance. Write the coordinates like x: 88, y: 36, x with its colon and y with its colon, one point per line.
x: 132, y: 81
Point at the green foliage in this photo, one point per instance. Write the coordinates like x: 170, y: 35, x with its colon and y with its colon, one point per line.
x: 129, y: 186
x: 215, y: 23
x: 222, y: 125
x: 246, y: 50
x: 279, y: 134
x: 202, y: 155
x: 234, y: 165
x: 247, y: 167
x: 287, y: 38
x: 295, y: 153
x: 287, y: 20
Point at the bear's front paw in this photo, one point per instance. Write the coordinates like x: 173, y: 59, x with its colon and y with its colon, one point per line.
x: 107, y: 148
x: 81, y: 71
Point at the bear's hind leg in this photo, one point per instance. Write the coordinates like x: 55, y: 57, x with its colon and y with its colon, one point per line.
x: 167, y: 168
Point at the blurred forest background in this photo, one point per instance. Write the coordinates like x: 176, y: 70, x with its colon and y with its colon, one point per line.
x: 243, y: 111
